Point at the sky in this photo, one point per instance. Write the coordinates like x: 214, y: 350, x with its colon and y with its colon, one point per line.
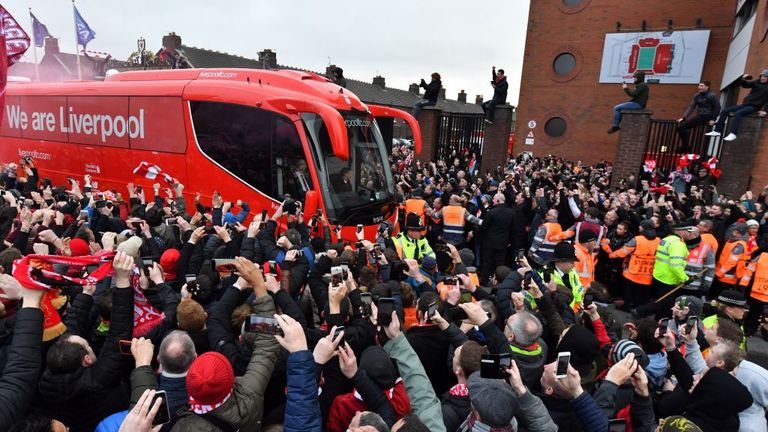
x: 401, y: 40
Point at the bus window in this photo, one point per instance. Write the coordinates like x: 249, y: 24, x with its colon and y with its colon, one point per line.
x: 291, y: 172
x: 260, y: 147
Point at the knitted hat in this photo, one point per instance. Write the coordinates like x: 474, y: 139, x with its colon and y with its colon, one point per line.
x: 564, y: 251
x: 210, y: 381
x: 678, y: 424
x: 413, y: 222
x: 582, y: 344
x: 168, y: 261
x: 79, y: 247
x: 378, y: 366
x: 752, y: 223
x: 467, y: 257
x: 732, y: 298
x: 625, y: 346
x: 493, y: 399
x: 587, y: 236
x: 131, y: 246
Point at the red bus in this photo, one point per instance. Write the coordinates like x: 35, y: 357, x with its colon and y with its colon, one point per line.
x: 250, y: 134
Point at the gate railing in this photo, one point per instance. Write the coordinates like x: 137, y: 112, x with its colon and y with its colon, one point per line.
x: 664, y: 144
x: 457, y: 132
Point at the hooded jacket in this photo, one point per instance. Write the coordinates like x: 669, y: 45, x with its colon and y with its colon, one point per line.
x: 639, y: 94
x: 755, y: 378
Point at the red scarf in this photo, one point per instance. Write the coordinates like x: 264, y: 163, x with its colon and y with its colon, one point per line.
x: 36, y: 272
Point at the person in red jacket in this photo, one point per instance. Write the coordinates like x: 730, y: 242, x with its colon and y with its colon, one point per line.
x: 377, y: 364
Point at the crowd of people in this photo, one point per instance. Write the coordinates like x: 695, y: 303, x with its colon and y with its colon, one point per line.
x: 491, y: 306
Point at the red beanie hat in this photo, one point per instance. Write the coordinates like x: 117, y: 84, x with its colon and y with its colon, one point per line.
x: 168, y: 261
x: 79, y: 247
x: 210, y: 381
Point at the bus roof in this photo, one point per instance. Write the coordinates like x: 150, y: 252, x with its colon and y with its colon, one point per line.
x: 172, y: 82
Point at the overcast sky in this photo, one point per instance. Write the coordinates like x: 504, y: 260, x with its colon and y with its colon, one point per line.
x: 401, y: 40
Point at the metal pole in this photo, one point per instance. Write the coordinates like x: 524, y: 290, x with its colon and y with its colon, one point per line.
x: 34, y: 47
x: 77, y: 44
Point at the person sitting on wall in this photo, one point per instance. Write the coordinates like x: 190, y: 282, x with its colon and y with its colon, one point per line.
x: 430, y: 94
x: 754, y: 102
x: 639, y: 99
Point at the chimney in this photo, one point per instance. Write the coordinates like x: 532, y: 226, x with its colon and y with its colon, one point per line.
x: 268, y: 59
x: 414, y: 88
x: 462, y: 97
x: 379, y: 81
x: 51, y: 45
x: 172, y: 42
x: 441, y: 95
x: 329, y: 71
x: 479, y: 99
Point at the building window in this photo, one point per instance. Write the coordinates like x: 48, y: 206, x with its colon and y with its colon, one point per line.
x: 744, y: 14
x: 555, y: 127
x: 564, y: 64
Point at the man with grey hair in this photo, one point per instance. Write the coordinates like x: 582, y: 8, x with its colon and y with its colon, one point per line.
x: 367, y: 421
x: 176, y: 354
x: 496, y: 233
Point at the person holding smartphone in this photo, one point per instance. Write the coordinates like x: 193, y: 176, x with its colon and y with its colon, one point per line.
x: 638, y: 99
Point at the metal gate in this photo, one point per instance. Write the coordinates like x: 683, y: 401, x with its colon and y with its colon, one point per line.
x: 460, y: 132
x: 664, y: 143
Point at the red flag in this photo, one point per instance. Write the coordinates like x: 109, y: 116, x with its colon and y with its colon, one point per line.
x: 14, y: 41
x: 152, y: 172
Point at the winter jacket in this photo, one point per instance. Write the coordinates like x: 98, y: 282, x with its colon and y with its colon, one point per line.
x: 755, y: 378
x: 82, y: 398
x: 758, y: 96
x: 584, y: 408
x: 432, y: 90
x: 530, y: 360
x: 17, y: 383
x: 302, y: 408
x: 707, y: 103
x: 500, y: 89
x: 455, y: 411
x: 496, y: 227
x: 639, y: 94
x: 345, y: 406
x: 424, y: 403
x: 431, y: 345
x: 220, y: 336
x: 532, y: 415
x: 244, y: 407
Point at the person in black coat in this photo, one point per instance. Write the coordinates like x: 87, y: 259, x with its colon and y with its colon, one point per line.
x: 500, y: 87
x: 78, y: 388
x: 19, y: 377
x: 708, y: 108
x: 431, y: 345
x: 432, y: 91
x: 755, y: 102
x: 496, y: 230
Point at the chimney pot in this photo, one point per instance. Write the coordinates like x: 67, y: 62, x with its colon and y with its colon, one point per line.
x: 462, y: 97
x: 268, y: 59
x: 479, y: 99
x: 379, y: 81
x: 414, y: 88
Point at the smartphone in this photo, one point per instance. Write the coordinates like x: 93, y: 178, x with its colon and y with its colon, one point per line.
x: 257, y: 324
x: 494, y: 366
x: 125, y: 347
x: 386, y: 307
x: 147, y: 264
x: 273, y: 268
x: 83, y: 215
x: 163, y: 415
x: 563, y: 360
x: 663, y: 325
x: 170, y: 221
x: 617, y: 425
x: 589, y: 298
x: 450, y: 280
x: 221, y: 265
x: 520, y: 254
x: 692, y: 322
x: 359, y: 228
x: 431, y: 310
x: 527, y: 280
x: 136, y: 225
x: 366, y: 298
x: 191, y: 280
x: 336, y: 275
x: 458, y: 314
x: 342, y: 341
x: 442, y: 247
x: 319, y: 213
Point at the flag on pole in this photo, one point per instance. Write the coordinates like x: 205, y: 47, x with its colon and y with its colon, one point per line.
x: 13, y: 43
x: 151, y: 172
x: 84, y: 32
x: 39, y: 31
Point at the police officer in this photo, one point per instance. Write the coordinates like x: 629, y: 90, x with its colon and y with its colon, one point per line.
x: 563, y: 272
x: 410, y: 244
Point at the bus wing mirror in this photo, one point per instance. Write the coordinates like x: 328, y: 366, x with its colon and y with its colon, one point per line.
x: 337, y: 128
x: 382, y: 111
x: 334, y: 122
x: 311, y: 203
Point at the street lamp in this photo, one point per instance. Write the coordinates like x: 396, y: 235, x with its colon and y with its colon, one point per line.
x: 142, y: 45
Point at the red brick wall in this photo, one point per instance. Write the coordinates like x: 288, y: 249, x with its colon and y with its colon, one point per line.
x: 585, y: 104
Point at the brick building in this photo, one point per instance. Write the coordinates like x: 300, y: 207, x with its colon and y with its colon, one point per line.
x: 571, y: 103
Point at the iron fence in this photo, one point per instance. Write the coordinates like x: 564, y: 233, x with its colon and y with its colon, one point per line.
x: 664, y: 144
x: 460, y: 132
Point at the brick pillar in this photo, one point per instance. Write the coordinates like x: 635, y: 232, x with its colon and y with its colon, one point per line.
x: 633, y: 136
x: 429, y: 122
x: 737, y: 158
x: 496, y: 140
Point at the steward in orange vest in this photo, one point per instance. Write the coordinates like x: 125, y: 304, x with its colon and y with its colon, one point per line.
x: 756, y: 276
x: 585, y: 259
x: 733, y: 260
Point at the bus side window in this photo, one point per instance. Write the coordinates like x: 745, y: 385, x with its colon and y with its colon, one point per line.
x: 239, y: 139
x: 291, y: 172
